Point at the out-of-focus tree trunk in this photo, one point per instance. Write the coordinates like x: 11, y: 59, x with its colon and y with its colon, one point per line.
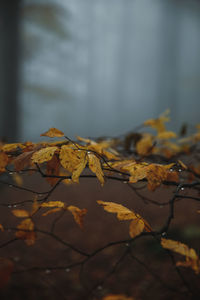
x: 9, y: 68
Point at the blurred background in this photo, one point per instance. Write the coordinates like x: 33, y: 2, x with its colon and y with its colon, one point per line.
x: 97, y: 67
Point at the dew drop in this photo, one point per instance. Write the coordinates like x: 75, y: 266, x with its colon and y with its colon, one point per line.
x: 127, y: 244
x: 10, y: 173
x: 47, y: 271
x: 179, y: 170
x: 164, y: 234
x: 182, y: 189
x: 67, y: 270
x: 10, y: 185
x: 9, y: 206
x: 171, y: 170
x: 99, y: 287
x: 15, y: 205
x: 125, y: 181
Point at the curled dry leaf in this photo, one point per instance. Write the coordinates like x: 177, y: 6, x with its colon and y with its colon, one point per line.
x: 78, y: 214
x: 43, y: 155
x: 53, y: 204
x: 20, y: 213
x: 95, y: 167
x: 53, y: 132
x: 136, y: 227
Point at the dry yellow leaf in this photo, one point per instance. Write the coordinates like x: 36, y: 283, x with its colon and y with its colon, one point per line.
x: 145, y: 145
x: 123, y: 213
x: 73, y: 160
x: 53, y: 132
x: 165, y: 135
x: 43, y: 155
x: 192, y: 259
x: 53, y: 204
x: 51, y: 211
x: 158, y: 123
x: 78, y: 214
x: 136, y: 227
x: 20, y: 213
x: 95, y: 166
x: 12, y: 147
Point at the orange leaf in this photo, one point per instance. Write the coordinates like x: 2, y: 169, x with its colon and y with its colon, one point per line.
x: 95, y: 166
x: 78, y: 214
x: 44, y: 154
x: 53, y: 132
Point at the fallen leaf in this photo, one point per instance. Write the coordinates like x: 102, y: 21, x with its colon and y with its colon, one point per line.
x: 43, y: 155
x: 136, y: 227
x: 95, y: 167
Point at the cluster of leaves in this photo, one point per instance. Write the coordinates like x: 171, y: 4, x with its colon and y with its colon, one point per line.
x: 131, y: 160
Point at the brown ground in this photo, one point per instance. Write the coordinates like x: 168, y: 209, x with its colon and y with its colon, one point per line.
x: 54, y: 280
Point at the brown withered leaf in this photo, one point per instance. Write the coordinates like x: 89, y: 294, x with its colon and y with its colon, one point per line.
x: 25, y: 232
x: 136, y: 227
x: 6, y: 269
x: 156, y: 174
x: 95, y: 167
x: 78, y: 214
x: 52, y: 168
x: 3, y: 161
x: 53, y: 132
x: 43, y: 155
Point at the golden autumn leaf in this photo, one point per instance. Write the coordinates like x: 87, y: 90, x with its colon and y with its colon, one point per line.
x: 53, y: 204
x: 3, y: 161
x: 136, y: 227
x: 165, y: 135
x: 158, y: 123
x: 12, y: 147
x: 73, y: 160
x: 78, y: 214
x: 123, y: 213
x: 145, y: 145
x: 192, y: 259
x: 117, y: 297
x: 20, y: 213
x: 51, y: 211
x: 6, y: 269
x: 43, y: 155
x: 95, y: 166
x: 53, y: 132
x: 25, y: 231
